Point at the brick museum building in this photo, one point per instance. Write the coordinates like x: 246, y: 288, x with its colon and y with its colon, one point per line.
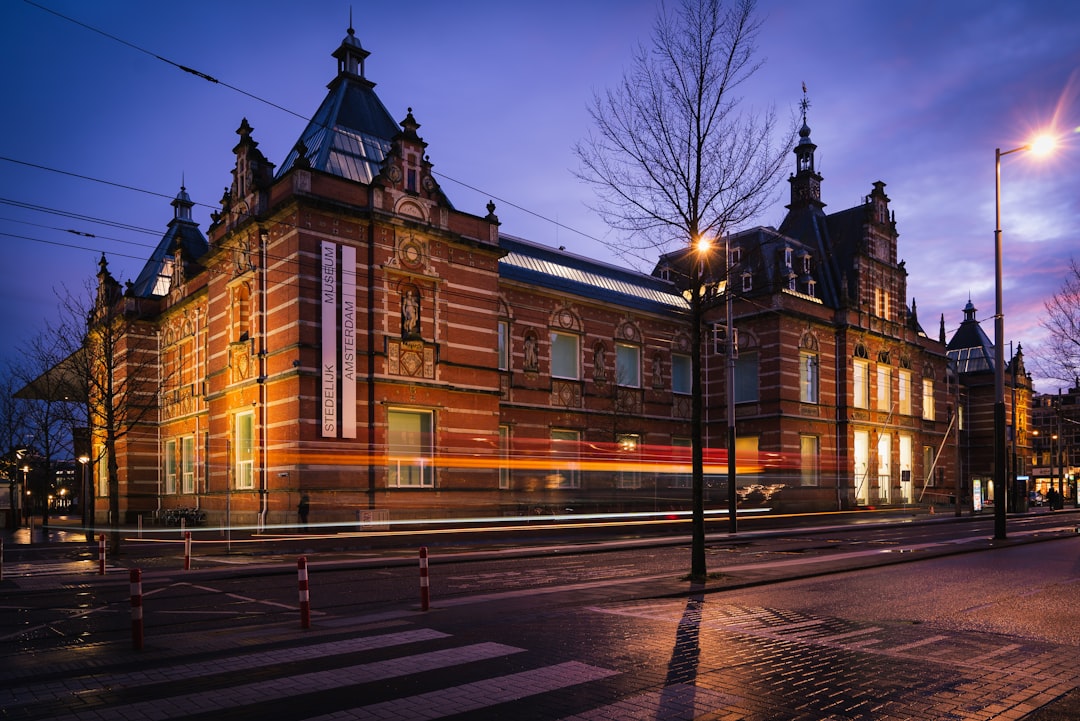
x: 343, y: 332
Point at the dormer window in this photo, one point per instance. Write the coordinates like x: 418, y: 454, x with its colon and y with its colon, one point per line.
x: 791, y: 283
x: 736, y: 255
x: 811, y: 288
x: 787, y: 257
x: 806, y: 263
x: 747, y: 282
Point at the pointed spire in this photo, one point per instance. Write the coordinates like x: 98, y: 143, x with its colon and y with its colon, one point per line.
x: 805, y: 183
x: 941, y: 330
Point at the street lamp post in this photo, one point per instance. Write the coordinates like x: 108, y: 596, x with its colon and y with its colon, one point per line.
x: 733, y: 525
x: 1042, y: 144
x: 84, y: 461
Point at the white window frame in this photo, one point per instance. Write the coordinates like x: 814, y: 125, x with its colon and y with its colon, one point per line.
x: 504, y: 345
x: 410, y: 457
x: 809, y: 377
x: 187, y: 464
x: 565, y: 344
x: 244, y: 450
x: 860, y: 383
x: 904, y: 392
x: 884, y: 387
x: 170, y: 467
x: 928, y: 410
x: 628, y: 365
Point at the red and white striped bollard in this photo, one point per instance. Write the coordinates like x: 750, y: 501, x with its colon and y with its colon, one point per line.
x: 101, y: 554
x: 425, y: 591
x: 136, y: 609
x: 187, y: 550
x: 305, y: 598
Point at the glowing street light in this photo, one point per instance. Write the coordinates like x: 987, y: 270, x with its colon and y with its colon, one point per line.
x: 1040, y: 146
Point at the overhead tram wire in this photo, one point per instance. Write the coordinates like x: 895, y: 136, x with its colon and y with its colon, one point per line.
x: 216, y: 81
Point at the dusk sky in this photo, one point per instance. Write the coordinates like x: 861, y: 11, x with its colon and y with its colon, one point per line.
x: 915, y: 94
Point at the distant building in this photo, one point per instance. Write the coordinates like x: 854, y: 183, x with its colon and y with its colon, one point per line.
x: 1056, y: 442
x: 343, y: 332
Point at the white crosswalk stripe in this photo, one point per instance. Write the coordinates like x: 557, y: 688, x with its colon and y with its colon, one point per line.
x: 342, y: 664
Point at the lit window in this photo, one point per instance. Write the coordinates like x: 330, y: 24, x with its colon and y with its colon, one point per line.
x: 904, y: 392
x: 565, y: 356
x: 884, y: 388
x: 861, y: 383
x: 628, y: 365
x: 244, y: 438
x: 810, y: 459
x: 628, y: 445
x: 928, y: 399
x: 410, y: 449
x: 504, y: 456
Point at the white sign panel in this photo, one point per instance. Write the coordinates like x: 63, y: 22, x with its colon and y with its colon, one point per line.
x: 329, y: 369
x: 348, y: 341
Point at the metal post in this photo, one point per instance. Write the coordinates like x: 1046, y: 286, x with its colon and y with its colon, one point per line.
x: 731, y: 347
x: 1000, y: 494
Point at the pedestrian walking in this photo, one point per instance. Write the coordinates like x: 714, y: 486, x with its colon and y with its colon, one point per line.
x: 302, y: 510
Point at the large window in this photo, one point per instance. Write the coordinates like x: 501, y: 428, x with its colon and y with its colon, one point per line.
x: 410, y: 448
x: 884, y: 449
x: 904, y: 391
x: 746, y: 378
x: 861, y: 383
x: 810, y: 459
x: 808, y: 377
x: 244, y: 438
x: 565, y: 449
x: 187, y: 463
x: 681, y: 373
x: 884, y: 388
x: 170, y: 467
x: 628, y: 365
x: 928, y: 399
x: 565, y: 356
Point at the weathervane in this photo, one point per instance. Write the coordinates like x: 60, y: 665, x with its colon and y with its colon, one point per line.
x: 804, y: 103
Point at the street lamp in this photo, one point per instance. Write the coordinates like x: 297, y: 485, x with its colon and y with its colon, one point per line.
x: 729, y: 381
x: 1041, y: 145
x: 84, y: 461
x: 700, y: 248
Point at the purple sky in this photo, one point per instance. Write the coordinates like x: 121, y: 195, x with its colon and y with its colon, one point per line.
x: 915, y: 94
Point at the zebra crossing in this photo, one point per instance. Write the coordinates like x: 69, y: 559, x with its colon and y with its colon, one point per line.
x: 336, y: 679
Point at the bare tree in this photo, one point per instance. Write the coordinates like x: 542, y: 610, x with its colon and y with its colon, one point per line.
x: 1059, y: 355
x: 112, y: 355
x: 674, y: 160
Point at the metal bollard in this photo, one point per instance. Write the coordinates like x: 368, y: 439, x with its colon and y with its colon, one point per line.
x: 101, y: 554
x: 305, y: 599
x: 187, y: 550
x: 136, y: 609
x: 425, y: 591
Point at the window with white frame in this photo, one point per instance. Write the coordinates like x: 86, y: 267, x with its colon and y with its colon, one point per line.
x: 787, y: 257
x: 861, y: 383
x: 244, y: 440
x: 928, y: 399
x: 565, y: 451
x: 410, y: 448
x: 170, y: 467
x: 808, y: 377
x: 628, y: 365
x: 884, y: 387
x: 187, y: 463
x: 903, y: 396
x: 681, y: 374
x: 747, y: 282
x: 504, y: 345
x: 565, y: 355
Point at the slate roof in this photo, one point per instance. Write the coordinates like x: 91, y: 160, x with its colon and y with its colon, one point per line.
x: 349, y: 136
x: 970, y: 347
x: 155, y: 279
